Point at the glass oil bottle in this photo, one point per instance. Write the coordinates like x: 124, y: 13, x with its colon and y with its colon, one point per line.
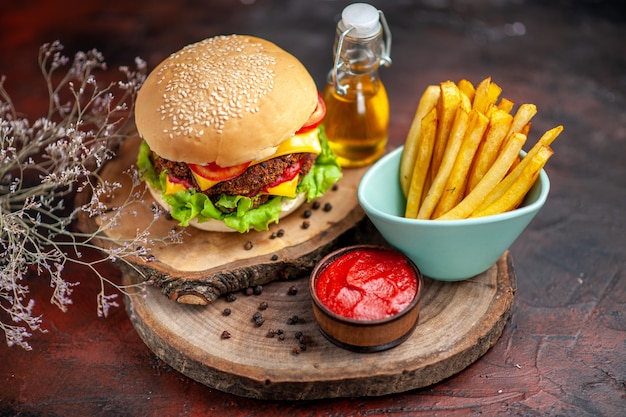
x: 357, y: 107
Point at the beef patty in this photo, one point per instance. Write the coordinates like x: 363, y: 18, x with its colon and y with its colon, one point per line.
x: 250, y: 183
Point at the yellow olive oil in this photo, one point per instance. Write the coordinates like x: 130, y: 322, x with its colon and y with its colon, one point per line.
x: 356, y: 123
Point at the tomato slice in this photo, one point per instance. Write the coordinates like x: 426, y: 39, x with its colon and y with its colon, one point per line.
x: 214, y: 172
x: 316, y: 117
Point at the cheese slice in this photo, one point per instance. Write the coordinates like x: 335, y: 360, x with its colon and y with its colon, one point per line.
x: 173, y: 188
x: 204, y: 183
x: 303, y: 143
x: 285, y: 189
x: 307, y: 142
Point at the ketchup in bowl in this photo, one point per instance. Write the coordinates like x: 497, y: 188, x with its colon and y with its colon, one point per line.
x: 366, y: 298
x: 367, y: 284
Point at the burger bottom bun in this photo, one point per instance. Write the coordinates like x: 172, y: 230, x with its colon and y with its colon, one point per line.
x: 289, y: 205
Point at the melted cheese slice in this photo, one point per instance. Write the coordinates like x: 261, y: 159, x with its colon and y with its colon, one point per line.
x: 307, y: 142
x: 285, y: 189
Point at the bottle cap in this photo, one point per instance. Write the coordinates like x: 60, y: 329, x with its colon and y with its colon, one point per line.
x: 364, y: 18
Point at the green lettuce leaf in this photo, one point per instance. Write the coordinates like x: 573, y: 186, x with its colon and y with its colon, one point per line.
x: 323, y: 174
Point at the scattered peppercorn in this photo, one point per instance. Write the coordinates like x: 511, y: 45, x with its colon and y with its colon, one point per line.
x: 306, y: 214
x: 281, y: 337
x: 306, y: 224
x: 225, y: 334
x: 298, y: 335
x: 273, y: 235
x: 280, y: 233
x: 248, y: 291
x: 231, y: 297
x: 293, y: 319
x: 328, y: 207
x: 256, y: 316
x: 316, y: 205
x: 248, y: 245
x: 302, y: 346
x: 226, y: 312
x: 263, y: 305
x: 259, y: 322
x: 258, y: 290
x: 335, y: 187
x: 274, y: 257
x: 293, y: 290
x: 295, y: 350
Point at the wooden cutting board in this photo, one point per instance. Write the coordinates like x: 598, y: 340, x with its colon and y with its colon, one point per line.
x: 458, y: 323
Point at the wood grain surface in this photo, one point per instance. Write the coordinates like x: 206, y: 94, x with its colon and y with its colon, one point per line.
x: 458, y: 323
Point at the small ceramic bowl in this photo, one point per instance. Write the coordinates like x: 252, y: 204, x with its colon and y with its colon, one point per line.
x: 366, y: 298
x: 448, y: 250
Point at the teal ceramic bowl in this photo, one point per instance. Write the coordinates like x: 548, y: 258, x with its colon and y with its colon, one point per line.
x: 447, y: 250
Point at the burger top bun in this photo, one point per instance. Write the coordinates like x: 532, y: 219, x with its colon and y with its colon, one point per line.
x: 227, y: 99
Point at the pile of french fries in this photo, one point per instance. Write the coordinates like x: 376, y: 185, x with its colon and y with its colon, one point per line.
x: 461, y: 158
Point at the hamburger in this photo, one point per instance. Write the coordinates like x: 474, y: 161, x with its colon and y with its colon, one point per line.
x: 232, y: 134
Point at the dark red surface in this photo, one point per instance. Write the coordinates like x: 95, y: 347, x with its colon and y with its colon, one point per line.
x: 562, y: 352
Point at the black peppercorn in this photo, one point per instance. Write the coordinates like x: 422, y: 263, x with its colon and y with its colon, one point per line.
x: 274, y: 257
x: 263, y: 305
x: 248, y: 245
x: 328, y: 207
x: 258, y: 290
x: 225, y: 334
x: 293, y: 290
x: 316, y: 205
x: 231, y: 297
x: 248, y: 291
x: 280, y: 233
x: 306, y: 214
x: 293, y: 319
x: 226, y: 312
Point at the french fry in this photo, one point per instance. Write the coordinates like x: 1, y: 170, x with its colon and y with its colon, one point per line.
x: 489, y: 181
x: 487, y: 93
x: 522, y: 118
x: 516, y: 192
x: 446, y: 113
x: 499, y: 125
x: 435, y: 189
x: 422, y: 163
x: 467, y: 88
x: 506, y: 105
x: 427, y: 102
x: 545, y: 140
x: 454, y: 189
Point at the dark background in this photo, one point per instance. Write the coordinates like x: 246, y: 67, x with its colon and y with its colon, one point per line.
x: 562, y: 352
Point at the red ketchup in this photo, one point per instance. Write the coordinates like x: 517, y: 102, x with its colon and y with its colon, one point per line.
x: 367, y: 284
